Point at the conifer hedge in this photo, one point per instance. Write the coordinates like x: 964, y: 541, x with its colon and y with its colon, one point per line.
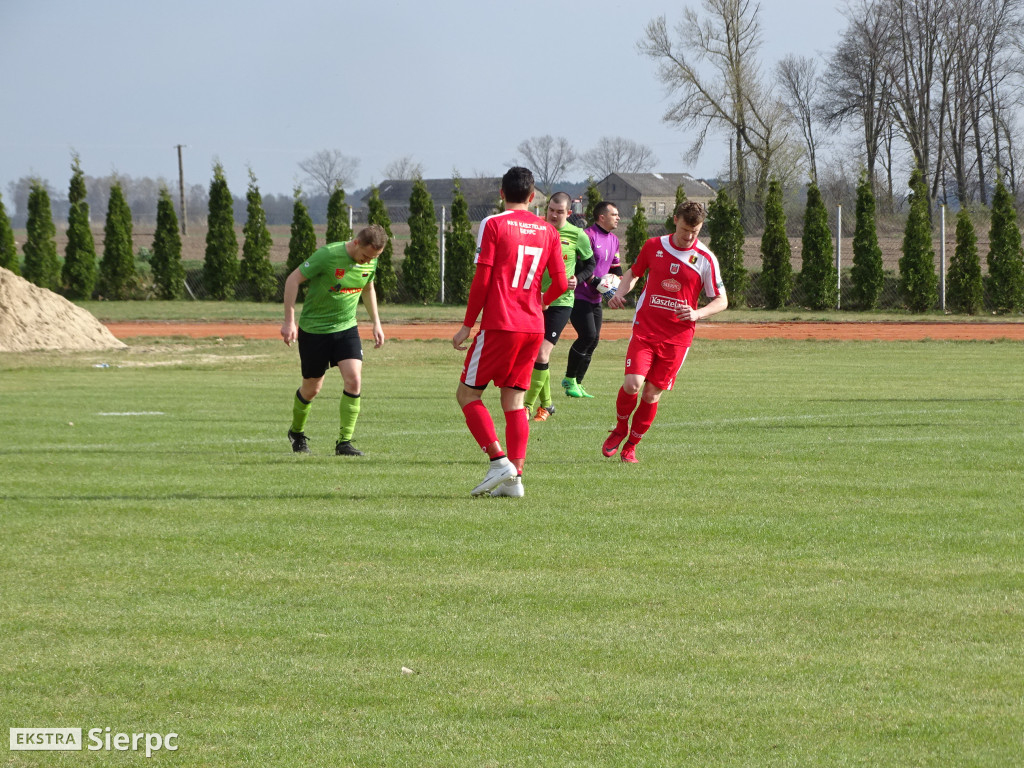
x: 41, y: 264
x: 421, y: 268
x: 385, y: 282
x: 220, y: 268
x: 868, y: 275
x: 964, y: 291
x: 459, y: 250
x: 79, y: 273
x: 725, y: 239
x: 258, y: 279
x: 8, y: 248
x: 818, y: 278
x: 918, y: 281
x: 168, y: 271
x: 117, y: 267
x: 1005, y: 256
x: 777, y: 267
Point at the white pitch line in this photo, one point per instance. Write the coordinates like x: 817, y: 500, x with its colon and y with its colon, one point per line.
x: 132, y: 413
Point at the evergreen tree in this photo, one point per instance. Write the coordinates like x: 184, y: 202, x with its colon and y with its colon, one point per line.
x: 220, y: 268
x: 670, y: 222
x: 8, y: 248
x: 421, y: 268
x: 338, y: 230
x: 725, y: 239
x: 965, y: 293
x: 78, y: 276
x: 867, y: 274
x: 41, y: 264
x: 385, y: 281
x: 117, y: 268
x: 256, y: 270
x: 593, y: 198
x: 1005, y: 256
x: 918, y: 282
x: 459, y: 250
x: 168, y: 271
x: 777, y: 268
x: 818, y: 278
x: 636, y: 236
x: 302, y: 243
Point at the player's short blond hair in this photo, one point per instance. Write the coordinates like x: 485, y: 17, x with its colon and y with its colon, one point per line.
x: 373, y: 235
x: 693, y: 213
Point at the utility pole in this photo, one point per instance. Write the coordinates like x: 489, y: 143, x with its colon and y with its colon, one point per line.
x: 181, y: 188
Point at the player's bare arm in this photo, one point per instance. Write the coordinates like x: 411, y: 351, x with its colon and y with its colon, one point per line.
x: 289, y: 330
x: 370, y: 302
x: 692, y: 314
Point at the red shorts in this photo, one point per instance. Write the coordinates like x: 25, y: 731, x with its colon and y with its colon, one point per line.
x: 656, y: 361
x: 504, y: 357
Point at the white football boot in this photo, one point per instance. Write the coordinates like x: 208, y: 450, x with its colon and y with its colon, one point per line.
x: 513, y: 487
x: 500, y: 470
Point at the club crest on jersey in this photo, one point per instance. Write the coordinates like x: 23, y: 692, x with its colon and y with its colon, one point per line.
x: 693, y: 259
x: 339, y: 273
x: 673, y: 268
x: 672, y: 286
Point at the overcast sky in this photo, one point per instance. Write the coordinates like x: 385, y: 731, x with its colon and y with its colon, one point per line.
x: 455, y: 84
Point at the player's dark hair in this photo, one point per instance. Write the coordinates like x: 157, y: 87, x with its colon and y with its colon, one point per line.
x: 560, y: 198
x: 517, y: 184
x: 692, y: 212
x: 373, y: 235
x: 602, y: 208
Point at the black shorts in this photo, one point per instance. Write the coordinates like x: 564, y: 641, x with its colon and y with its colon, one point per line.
x: 555, y: 320
x: 320, y: 351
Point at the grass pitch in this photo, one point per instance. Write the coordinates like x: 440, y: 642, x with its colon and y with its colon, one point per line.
x: 819, y: 562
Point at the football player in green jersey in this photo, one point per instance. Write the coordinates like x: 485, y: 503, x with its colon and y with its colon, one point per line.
x: 579, y: 265
x: 338, y: 274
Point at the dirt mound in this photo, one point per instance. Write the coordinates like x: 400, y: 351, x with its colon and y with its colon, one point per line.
x: 35, y: 318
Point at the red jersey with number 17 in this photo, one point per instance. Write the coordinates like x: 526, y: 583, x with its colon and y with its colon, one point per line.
x: 519, y: 247
x: 673, y: 275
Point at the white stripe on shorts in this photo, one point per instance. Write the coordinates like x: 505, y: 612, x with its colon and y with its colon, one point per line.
x: 473, y: 364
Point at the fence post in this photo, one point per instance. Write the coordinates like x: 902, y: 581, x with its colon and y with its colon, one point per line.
x: 442, y: 254
x: 839, y: 256
x: 942, y: 263
x: 350, y: 218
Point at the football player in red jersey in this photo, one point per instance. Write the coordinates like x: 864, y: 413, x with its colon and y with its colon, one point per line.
x: 514, y: 249
x: 678, y: 267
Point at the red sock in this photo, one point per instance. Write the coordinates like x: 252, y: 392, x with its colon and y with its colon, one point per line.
x: 624, y: 405
x: 642, y: 420
x: 517, y: 434
x: 481, y: 426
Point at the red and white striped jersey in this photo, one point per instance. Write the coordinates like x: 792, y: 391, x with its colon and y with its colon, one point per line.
x: 673, y: 276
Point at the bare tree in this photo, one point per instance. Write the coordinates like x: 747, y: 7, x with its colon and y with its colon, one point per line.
x: 733, y: 98
x: 328, y: 170
x: 1002, y: 66
x: 798, y: 77
x: 614, y: 154
x: 549, y: 158
x: 404, y: 168
x: 917, y: 65
x: 856, y: 85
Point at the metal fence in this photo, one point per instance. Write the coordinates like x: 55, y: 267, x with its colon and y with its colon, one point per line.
x: 890, y: 237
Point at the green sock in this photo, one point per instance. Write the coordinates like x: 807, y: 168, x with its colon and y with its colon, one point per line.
x: 536, y: 382
x: 300, y: 412
x: 349, y: 411
x: 545, y: 389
